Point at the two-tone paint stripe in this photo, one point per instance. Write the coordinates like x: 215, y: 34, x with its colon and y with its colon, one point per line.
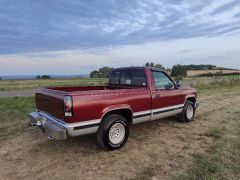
x: 167, y: 109
x: 86, y: 126
x: 157, y: 111
x: 142, y: 114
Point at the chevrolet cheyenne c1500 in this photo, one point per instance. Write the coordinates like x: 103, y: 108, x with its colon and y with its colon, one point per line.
x: 133, y: 95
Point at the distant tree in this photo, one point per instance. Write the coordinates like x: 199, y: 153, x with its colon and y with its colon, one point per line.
x: 101, y: 73
x: 94, y: 74
x: 0, y: 78
x: 179, y: 71
x: 159, y: 66
x: 210, y: 67
x: 147, y: 64
x: 151, y: 64
x: 43, y: 77
x: 200, y: 67
x: 104, y: 72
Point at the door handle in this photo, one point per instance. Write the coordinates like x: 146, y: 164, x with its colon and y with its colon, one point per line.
x: 158, y: 96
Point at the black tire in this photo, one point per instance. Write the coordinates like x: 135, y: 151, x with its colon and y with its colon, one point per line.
x: 183, y: 116
x: 107, y: 123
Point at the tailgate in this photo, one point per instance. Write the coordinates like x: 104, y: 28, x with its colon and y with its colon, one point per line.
x: 51, y: 102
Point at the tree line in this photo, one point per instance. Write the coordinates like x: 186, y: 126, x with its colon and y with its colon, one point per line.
x: 178, y: 71
x: 43, y: 77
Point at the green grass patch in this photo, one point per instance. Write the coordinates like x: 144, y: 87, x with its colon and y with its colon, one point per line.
x: 216, y: 83
x: 14, y: 113
x: 6, y: 85
x: 222, y: 161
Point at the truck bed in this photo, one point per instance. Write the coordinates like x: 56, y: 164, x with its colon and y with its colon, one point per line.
x: 51, y: 100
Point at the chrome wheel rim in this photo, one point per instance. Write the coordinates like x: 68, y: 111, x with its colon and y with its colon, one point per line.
x: 189, y: 112
x: 116, y: 133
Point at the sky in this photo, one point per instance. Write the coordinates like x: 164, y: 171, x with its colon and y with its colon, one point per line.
x: 77, y: 36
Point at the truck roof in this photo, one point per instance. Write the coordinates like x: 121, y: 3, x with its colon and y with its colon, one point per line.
x: 139, y: 67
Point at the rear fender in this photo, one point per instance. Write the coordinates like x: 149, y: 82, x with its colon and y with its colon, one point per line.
x: 115, y: 107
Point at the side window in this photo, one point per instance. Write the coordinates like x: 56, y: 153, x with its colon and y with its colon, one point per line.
x: 162, y: 81
x: 115, y: 77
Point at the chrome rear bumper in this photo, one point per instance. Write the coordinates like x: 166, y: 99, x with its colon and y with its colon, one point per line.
x: 60, y: 130
x: 53, y: 129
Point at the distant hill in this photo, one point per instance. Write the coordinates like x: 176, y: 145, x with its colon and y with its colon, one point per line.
x: 214, y: 72
x: 208, y: 70
x: 205, y: 67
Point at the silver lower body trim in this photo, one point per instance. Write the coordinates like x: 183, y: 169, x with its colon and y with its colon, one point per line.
x: 155, y: 114
x: 60, y: 130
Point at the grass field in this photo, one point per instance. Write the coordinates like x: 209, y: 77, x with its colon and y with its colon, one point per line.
x: 14, y: 114
x: 200, y: 83
x: 212, y: 83
x: 7, y: 85
x: 207, y: 148
x: 222, y: 161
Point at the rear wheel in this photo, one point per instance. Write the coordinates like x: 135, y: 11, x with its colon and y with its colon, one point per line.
x: 113, y: 132
x: 188, y: 112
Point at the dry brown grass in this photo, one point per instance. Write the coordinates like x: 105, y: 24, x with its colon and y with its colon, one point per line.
x: 158, y: 149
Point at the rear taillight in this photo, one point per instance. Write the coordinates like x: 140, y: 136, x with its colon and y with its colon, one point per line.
x: 68, y: 106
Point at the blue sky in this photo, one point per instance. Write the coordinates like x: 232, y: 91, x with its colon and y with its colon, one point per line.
x: 75, y: 37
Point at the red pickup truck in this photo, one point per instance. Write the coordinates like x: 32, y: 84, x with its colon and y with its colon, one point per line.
x: 133, y: 95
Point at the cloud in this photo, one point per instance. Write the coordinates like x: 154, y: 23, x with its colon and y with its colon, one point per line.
x: 36, y: 26
x: 221, y: 51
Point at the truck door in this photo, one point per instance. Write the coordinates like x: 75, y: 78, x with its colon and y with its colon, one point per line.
x: 167, y: 100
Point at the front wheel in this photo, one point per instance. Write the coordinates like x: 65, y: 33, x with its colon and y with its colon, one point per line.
x: 113, y: 132
x: 188, y: 112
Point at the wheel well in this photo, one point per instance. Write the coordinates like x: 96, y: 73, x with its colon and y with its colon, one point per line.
x: 127, y: 113
x: 193, y: 99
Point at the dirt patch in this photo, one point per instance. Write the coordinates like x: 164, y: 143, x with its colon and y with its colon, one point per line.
x: 160, y: 148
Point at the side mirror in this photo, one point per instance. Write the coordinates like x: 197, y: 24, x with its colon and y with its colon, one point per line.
x: 178, y: 84
x: 168, y: 86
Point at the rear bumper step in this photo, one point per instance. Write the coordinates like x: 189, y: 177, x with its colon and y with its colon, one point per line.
x: 53, y: 129
x: 59, y: 130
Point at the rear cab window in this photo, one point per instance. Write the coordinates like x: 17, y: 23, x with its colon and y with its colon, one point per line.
x: 128, y: 77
